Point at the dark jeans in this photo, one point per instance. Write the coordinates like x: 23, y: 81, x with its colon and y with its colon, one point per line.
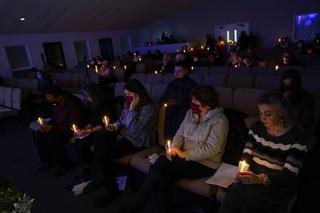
x: 252, y: 198
x: 83, y: 147
x: 106, y: 149
x: 174, y: 116
x: 162, y: 175
x: 51, y: 147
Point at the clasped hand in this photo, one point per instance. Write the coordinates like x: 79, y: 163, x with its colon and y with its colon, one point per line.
x: 247, y: 178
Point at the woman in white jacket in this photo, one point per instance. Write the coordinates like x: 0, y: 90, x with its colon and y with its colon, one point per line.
x: 196, y: 149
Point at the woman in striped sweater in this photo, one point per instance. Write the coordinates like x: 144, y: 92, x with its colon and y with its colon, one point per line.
x: 275, y: 152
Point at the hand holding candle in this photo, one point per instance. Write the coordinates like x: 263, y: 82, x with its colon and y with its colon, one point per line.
x: 243, y: 166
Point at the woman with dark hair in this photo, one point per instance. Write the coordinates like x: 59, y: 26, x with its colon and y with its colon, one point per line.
x: 196, y: 149
x: 274, y: 152
x: 132, y: 132
x: 301, y: 101
x: 97, y: 107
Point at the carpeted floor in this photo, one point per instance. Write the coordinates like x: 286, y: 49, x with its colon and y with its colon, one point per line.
x: 19, y: 161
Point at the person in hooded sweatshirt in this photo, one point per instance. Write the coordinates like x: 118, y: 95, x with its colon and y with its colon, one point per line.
x: 195, y: 151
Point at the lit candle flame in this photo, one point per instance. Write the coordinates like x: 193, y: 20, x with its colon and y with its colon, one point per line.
x: 105, y: 120
x: 202, y: 47
x: 125, y: 67
x: 243, y: 166
x: 191, y: 49
x: 279, y: 39
x: 155, y: 72
x: 208, y: 48
x: 96, y: 68
x: 140, y: 59
x: 88, y: 66
x: 165, y: 104
x: 114, y: 67
x: 40, y: 121
x: 276, y: 67
x: 184, y: 51
x: 74, y: 128
x: 192, y: 68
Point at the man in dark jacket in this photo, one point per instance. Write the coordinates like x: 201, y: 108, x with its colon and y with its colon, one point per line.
x: 176, y: 97
x: 67, y: 110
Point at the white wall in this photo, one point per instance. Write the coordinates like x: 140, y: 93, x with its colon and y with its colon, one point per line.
x: 270, y: 18
x: 33, y: 42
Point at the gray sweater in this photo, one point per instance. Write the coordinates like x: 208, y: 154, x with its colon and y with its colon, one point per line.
x: 203, y: 141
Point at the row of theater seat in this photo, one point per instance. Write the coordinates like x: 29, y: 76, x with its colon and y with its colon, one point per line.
x: 243, y: 99
x: 310, y: 83
x: 10, y: 101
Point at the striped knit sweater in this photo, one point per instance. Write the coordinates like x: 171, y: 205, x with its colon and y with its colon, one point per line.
x: 281, y: 158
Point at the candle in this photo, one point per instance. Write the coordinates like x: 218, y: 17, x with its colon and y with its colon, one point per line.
x: 168, y: 146
x: 208, y: 48
x: 125, y: 67
x: 140, y: 59
x: 105, y: 120
x: 276, y: 67
x: 114, y: 67
x: 202, y: 47
x: 192, y: 68
x: 88, y: 66
x: 191, y: 49
x: 155, y: 72
x: 74, y: 128
x: 184, y: 51
x: 165, y: 104
x: 243, y: 166
x: 40, y: 121
x: 96, y: 68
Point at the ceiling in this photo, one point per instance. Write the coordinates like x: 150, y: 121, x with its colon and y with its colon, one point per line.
x: 50, y: 16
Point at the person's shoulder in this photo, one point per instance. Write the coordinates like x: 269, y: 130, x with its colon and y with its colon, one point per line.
x: 257, y: 126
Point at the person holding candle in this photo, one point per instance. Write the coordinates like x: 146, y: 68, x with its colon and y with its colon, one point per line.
x: 132, y: 132
x: 99, y: 109
x: 67, y: 110
x: 274, y: 153
x: 196, y: 149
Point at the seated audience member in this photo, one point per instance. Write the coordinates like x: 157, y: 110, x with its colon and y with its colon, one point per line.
x: 67, y: 110
x: 196, y: 149
x: 213, y: 60
x: 247, y: 62
x: 275, y: 153
x: 196, y: 60
x: 176, y: 96
x: 132, y: 132
x: 234, y: 60
x: 167, y: 65
x: 287, y: 59
x: 106, y: 79
x: 98, y: 107
x: 301, y: 101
